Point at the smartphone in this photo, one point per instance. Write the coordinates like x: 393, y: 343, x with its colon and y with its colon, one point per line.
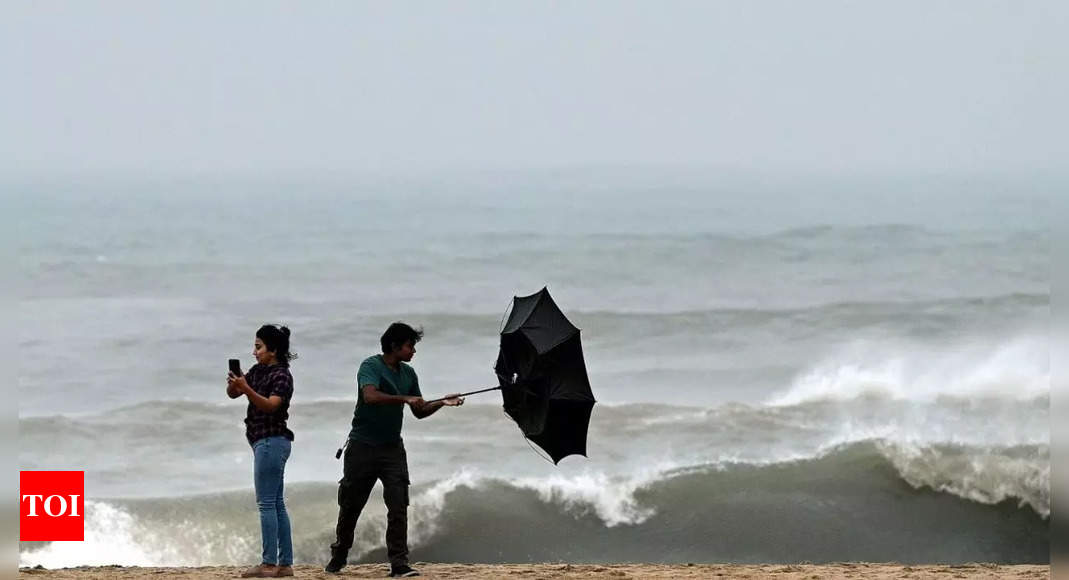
x: 235, y: 366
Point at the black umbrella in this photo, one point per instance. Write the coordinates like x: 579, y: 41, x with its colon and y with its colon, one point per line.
x: 542, y: 376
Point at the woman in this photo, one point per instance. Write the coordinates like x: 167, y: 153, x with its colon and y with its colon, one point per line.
x: 269, y: 386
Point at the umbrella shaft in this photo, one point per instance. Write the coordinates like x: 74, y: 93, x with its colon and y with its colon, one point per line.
x: 497, y: 388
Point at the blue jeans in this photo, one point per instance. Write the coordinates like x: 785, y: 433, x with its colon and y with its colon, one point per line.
x: 269, y: 465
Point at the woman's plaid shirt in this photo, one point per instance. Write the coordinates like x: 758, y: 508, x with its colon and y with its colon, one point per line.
x: 269, y: 380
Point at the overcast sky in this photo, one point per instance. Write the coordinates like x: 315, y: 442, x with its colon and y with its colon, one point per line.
x: 392, y: 86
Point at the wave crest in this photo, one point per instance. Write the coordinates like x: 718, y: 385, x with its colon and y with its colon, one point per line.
x: 1017, y: 370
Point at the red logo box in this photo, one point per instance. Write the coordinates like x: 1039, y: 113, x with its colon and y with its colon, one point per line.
x: 51, y: 506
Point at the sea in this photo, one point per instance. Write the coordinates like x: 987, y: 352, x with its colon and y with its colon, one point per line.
x: 808, y: 369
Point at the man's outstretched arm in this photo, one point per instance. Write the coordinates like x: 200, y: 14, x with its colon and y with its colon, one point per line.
x: 424, y: 409
x: 373, y: 396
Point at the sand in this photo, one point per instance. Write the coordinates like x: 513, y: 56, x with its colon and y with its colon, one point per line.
x: 609, y: 572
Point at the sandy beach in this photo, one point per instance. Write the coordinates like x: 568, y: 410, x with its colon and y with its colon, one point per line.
x: 537, y: 571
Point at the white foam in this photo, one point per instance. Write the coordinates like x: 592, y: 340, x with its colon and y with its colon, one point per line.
x: 984, y: 476
x: 1018, y: 370
x: 114, y: 537
x: 611, y: 499
x: 109, y: 539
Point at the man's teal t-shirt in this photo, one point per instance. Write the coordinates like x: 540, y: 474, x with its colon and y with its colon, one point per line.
x: 379, y: 424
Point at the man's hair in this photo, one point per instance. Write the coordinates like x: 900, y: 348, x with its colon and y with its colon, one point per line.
x: 398, y: 334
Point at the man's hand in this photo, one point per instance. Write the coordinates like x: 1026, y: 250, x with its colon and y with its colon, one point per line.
x: 454, y: 400
x: 414, y: 402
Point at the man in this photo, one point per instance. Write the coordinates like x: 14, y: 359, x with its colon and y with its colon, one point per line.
x: 375, y: 449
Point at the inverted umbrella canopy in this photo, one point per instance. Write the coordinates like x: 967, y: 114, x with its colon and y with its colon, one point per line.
x: 543, y: 376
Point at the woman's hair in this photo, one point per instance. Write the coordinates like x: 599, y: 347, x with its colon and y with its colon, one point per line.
x: 277, y: 340
x: 397, y: 334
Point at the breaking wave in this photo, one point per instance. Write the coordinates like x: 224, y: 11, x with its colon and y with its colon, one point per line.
x: 946, y: 503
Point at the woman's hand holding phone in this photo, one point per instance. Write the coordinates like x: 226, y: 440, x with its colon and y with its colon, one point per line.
x: 236, y: 383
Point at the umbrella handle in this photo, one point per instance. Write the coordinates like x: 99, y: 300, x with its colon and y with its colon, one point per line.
x: 497, y: 388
